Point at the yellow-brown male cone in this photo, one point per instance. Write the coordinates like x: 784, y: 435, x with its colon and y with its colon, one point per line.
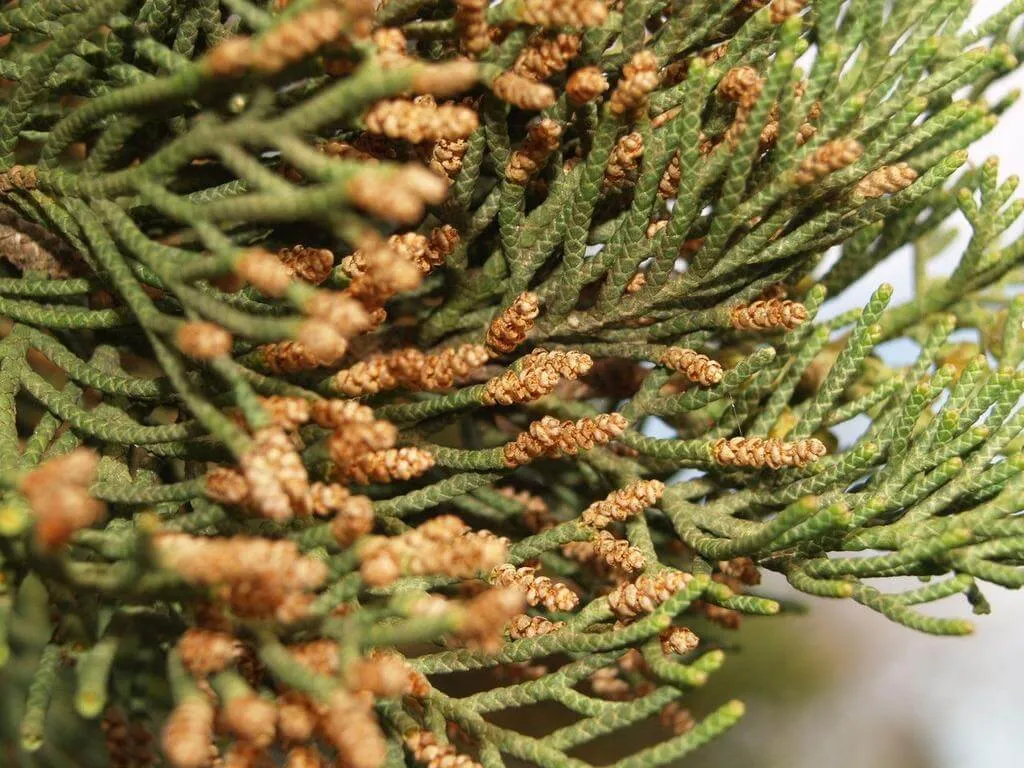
x: 550, y: 437
x: 586, y: 84
x: 697, y: 367
x: 622, y: 504
x: 511, y: 327
x: 563, y: 13
x: 646, y: 593
x: 639, y: 78
x: 538, y: 375
x: 767, y: 452
x: 886, y: 180
x: 540, y: 590
x: 768, y: 314
x: 827, y: 159
x: 523, y: 92
x: 541, y: 140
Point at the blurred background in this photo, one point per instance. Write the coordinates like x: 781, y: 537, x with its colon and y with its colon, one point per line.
x: 842, y: 687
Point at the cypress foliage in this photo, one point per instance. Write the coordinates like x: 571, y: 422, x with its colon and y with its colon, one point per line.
x: 340, y: 342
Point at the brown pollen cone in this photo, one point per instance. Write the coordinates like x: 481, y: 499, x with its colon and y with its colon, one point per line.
x: 768, y: 452
x: 511, y: 327
x: 768, y: 314
x: 697, y: 367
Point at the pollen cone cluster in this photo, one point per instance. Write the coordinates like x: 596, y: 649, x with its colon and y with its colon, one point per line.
x: 371, y: 370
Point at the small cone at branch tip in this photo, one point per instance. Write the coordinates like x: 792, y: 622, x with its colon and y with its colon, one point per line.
x: 771, y: 452
x: 445, y: 158
x: 352, y: 519
x: 293, y: 356
x: 828, y: 158
x: 538, y: 375
x: 348, y: 444
x: 207, y: 651
x: 284, y: 44
x: 531, y: 626
x: 679, y: 640
x: 697, y: 367
x: 336, y: 412
x: 523, y: 92
x: 254, y: 576
x: 57, y: 493
x: 350, y: 725
x: 545, y: 56
x: 387, y: 465
x: 741, y: 85
x: 251, y: 718
x: 317, y: 344
x: 483, y: 619
x: 311, y: 265
x: 624, y: 160
x: 264, y: 271
x: 639, y: 78
x: 677, y: 718
x: 563, y: 13
x: 781, y: 10
x: 768, y: 314
x: 304, y: 757
x: 541, y: 140
x: 539, y: 590
x: 202, y: 340
x: 18, y: 177
x: 886, y: 180
x: 441, y: 546
x: 586, y: 84
x: 551, y: 437
x: 511, y: 327
x: 471, y: 21
x: 188, y: 733
x: 400, y: 195
x: 427, y: 750
x: 622, y: 504
x: 344, y: 314
x: 386, y: 673
x: 646, y: 593
x: 420, y: 120
x: 617, y: 553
